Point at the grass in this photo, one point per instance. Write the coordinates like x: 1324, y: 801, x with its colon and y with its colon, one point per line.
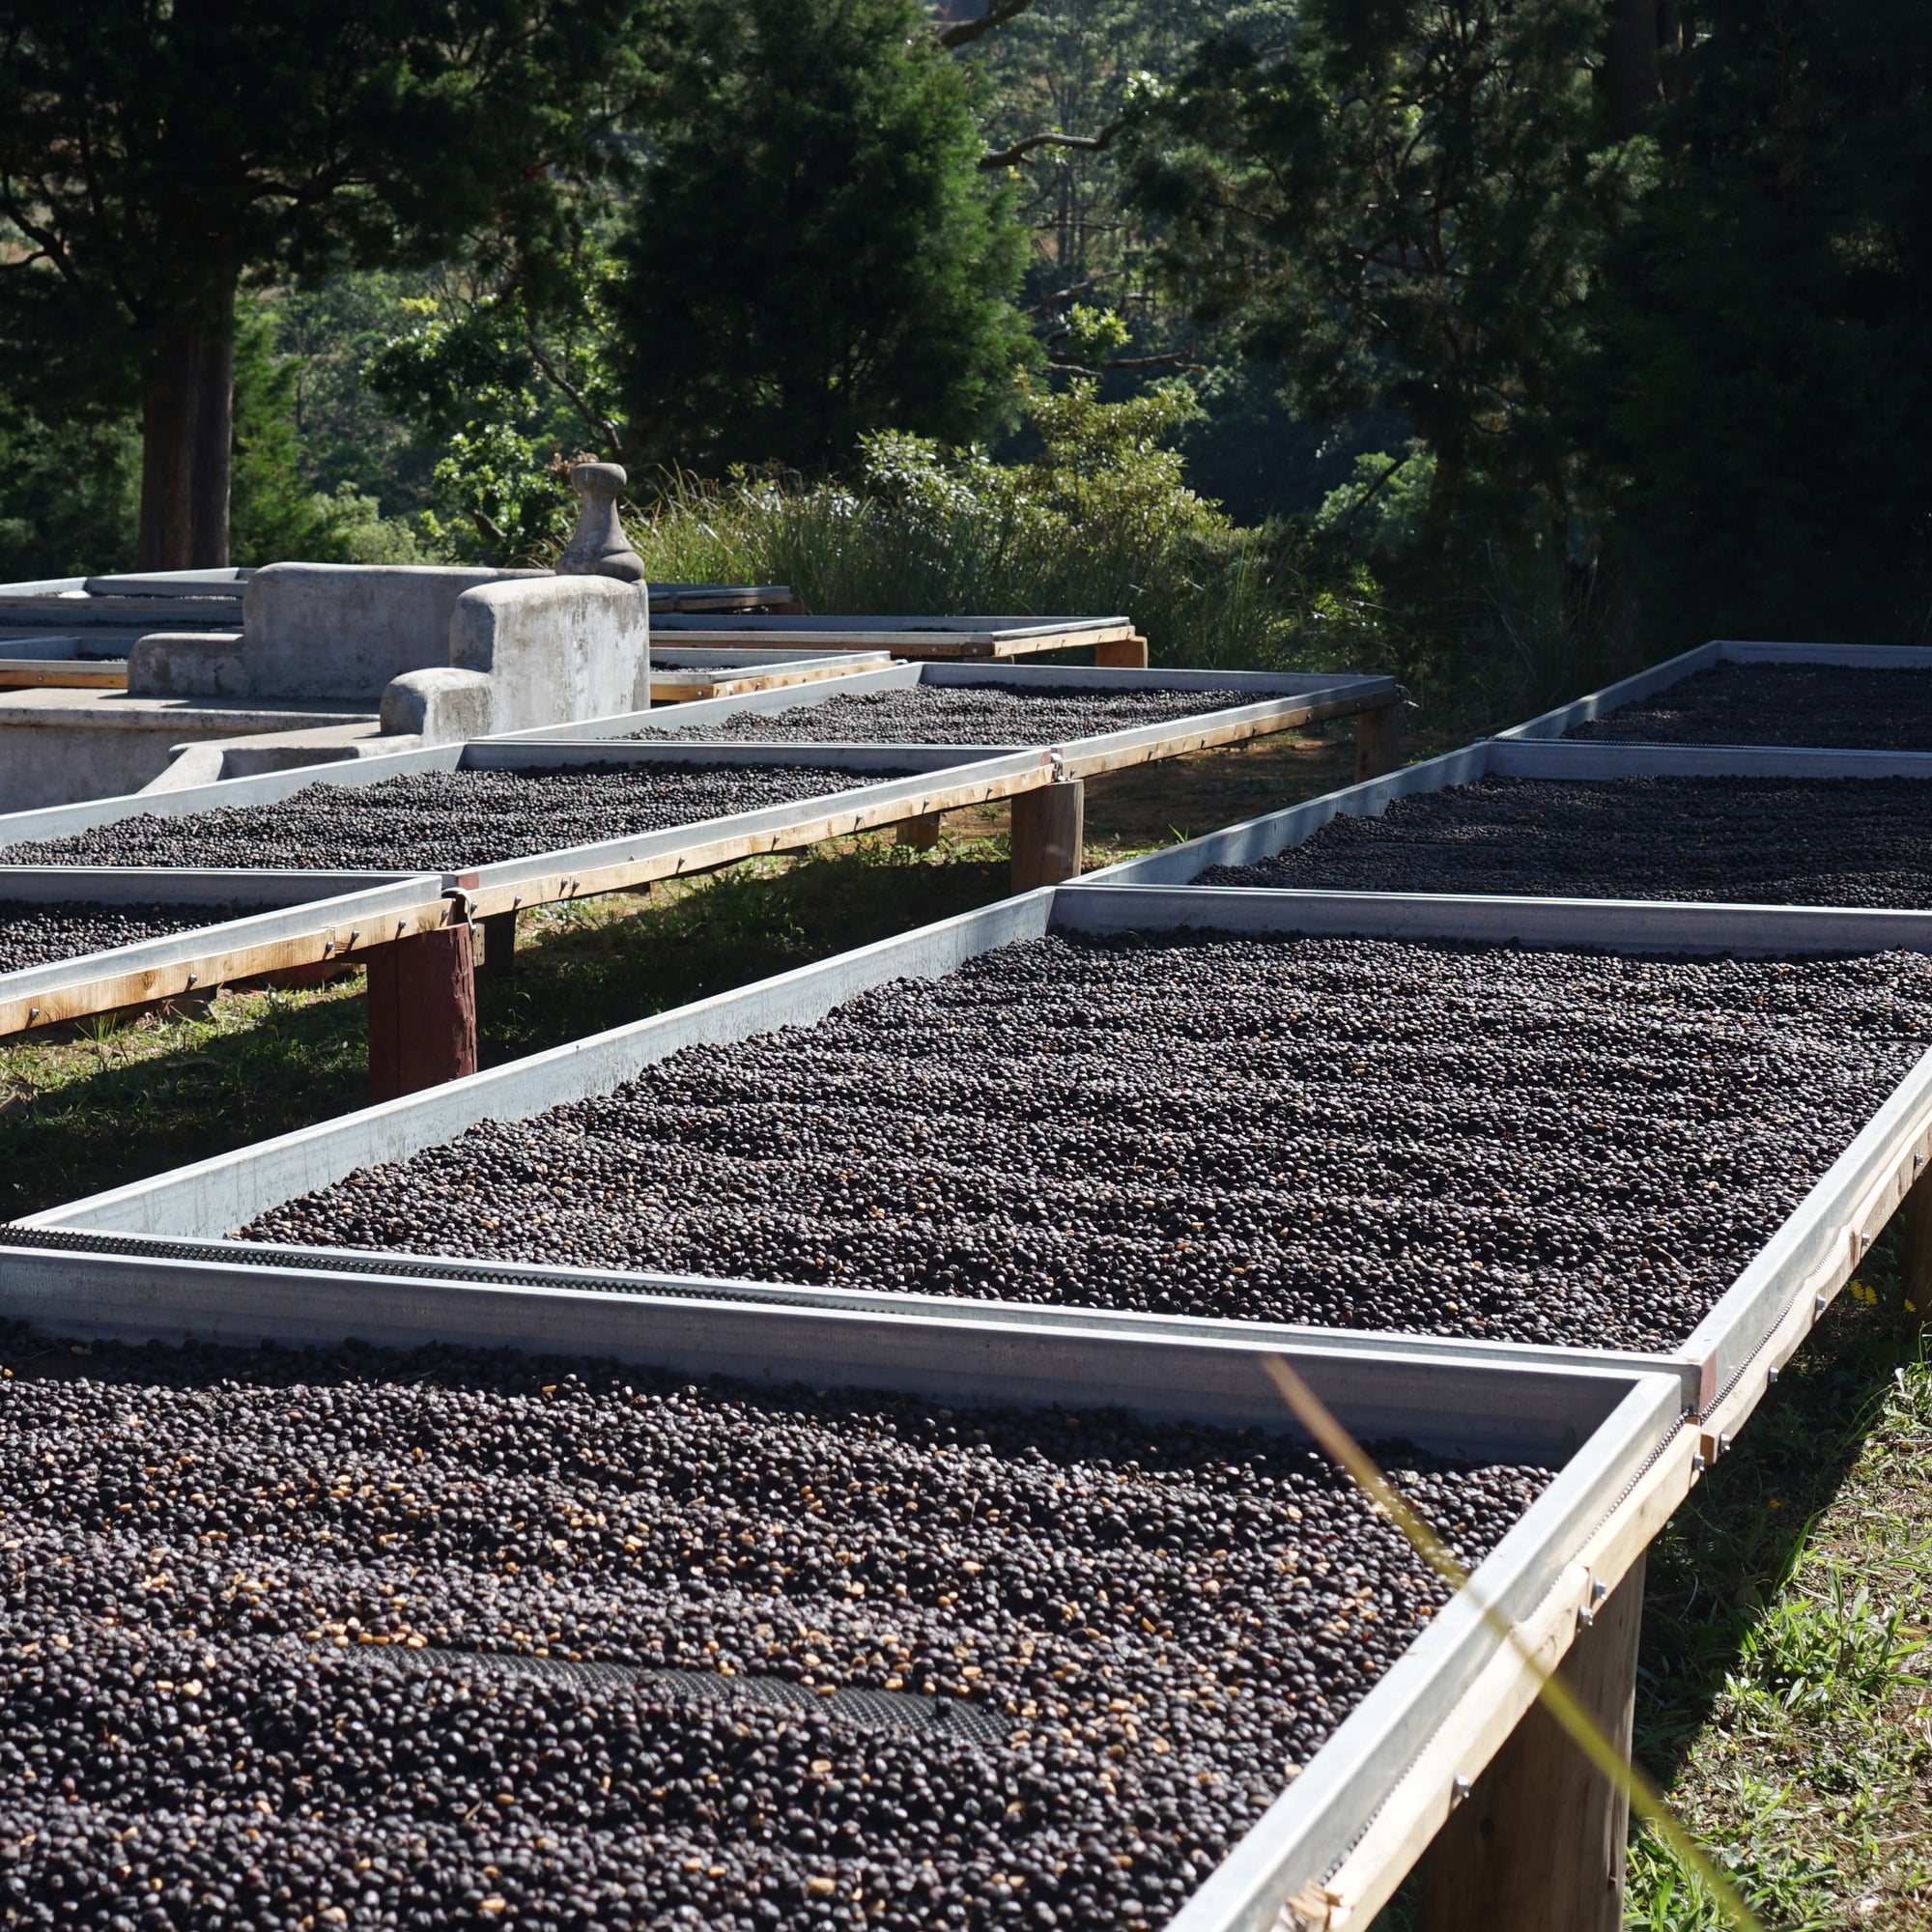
x: 1784, y: 1698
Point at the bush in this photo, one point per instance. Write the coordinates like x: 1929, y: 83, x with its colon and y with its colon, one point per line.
x: 1101, y: 520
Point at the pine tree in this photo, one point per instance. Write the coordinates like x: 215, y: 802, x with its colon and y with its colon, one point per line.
x: 814, y: 251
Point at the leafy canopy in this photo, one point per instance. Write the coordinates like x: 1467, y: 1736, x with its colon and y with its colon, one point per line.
x: 813, y: 253
x: 1400, y: 206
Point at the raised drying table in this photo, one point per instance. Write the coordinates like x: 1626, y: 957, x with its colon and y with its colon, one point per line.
x: 1113, y: 640
x: 149, y: 1259
x: 422, y: 1011
x: 1775, y: 1266
x: 695, y: 674
x: 1319, y: 1843
x: 1065, y: 708
x: 1851, y: 697
x: 1530, y: 816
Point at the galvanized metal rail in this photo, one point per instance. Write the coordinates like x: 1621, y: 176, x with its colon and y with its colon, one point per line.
x: 1554, y: 758
x: 1707, y: 657
x: 1256, y: 703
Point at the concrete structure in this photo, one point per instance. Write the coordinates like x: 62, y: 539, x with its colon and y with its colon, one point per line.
x: 328, y: 662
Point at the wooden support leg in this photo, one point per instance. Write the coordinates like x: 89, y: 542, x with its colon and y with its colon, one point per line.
x: 1378, y: 742
x: 1914, y: 1253
x: 1122, y: 654
x: 1048, y: 827
x: 1538, y: 1845
x: 422, y: 1013
x: 921, y: 834
x: 499, y: 947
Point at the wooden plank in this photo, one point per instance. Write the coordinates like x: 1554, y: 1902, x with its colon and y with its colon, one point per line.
x: 1231, y: 728
x: 1489, y: 1711
x: 836, y: 821
x: 1916, y: 1255
x: 1538, y: 1843
x: 62, y: 674
x: 681, y: 686
x: 422, y: 1013
x: 1378, y: 741
x: 108, y: 992
x: 1122, y: 654
x: 1049, y: 827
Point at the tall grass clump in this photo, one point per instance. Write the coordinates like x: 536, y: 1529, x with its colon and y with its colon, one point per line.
x: 1099, y: 520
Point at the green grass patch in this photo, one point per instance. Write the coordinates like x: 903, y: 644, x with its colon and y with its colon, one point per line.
x: 1783, y: 1697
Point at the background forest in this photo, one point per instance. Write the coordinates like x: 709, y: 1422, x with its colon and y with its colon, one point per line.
x: 1505, y: 344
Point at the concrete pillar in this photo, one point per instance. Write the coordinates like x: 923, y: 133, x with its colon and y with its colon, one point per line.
x: 1049, y: 824
x: 1122, y: 654
x: 921, y: 834
x: 1914, y: 1249
x: 1378, y: 742
x: 1538, y: 1845
x: 499, y: 947
x: 422, y: 1013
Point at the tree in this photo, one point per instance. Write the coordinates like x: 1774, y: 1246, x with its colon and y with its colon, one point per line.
x: 814, y: 251
x: 158, y: 154
x: 1401, y: 207
x: 1058, y: 78
x: 1764, y: 362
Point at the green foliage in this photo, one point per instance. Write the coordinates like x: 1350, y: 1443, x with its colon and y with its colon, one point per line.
x: 154, y: 160
x: 1827, y: 1646
x: 1072, y: 67
x: 348, y: 433
x: 504, y: 389
x: 1101, y: 520
x: 1382, y: 506
x: 1400, y: 206
x: 812, y: 253
x: 1766, y: 360
x: 67, y: 495
x: 277, y: 513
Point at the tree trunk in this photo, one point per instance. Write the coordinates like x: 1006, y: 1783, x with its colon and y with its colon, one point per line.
x: 187, y: 429
x: 1633, y: 81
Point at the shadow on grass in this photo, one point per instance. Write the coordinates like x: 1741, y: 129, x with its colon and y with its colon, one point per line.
x: 1735, y: 1541
x: 145, y: 1097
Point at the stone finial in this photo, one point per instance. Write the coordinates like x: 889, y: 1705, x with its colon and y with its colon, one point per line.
x: 599, y: 547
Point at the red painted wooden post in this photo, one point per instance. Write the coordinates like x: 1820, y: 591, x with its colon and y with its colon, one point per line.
x: 422, y: 1013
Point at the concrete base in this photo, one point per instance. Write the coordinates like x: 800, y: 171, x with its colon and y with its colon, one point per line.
x: 60, y: 747
x: 205, y: 762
